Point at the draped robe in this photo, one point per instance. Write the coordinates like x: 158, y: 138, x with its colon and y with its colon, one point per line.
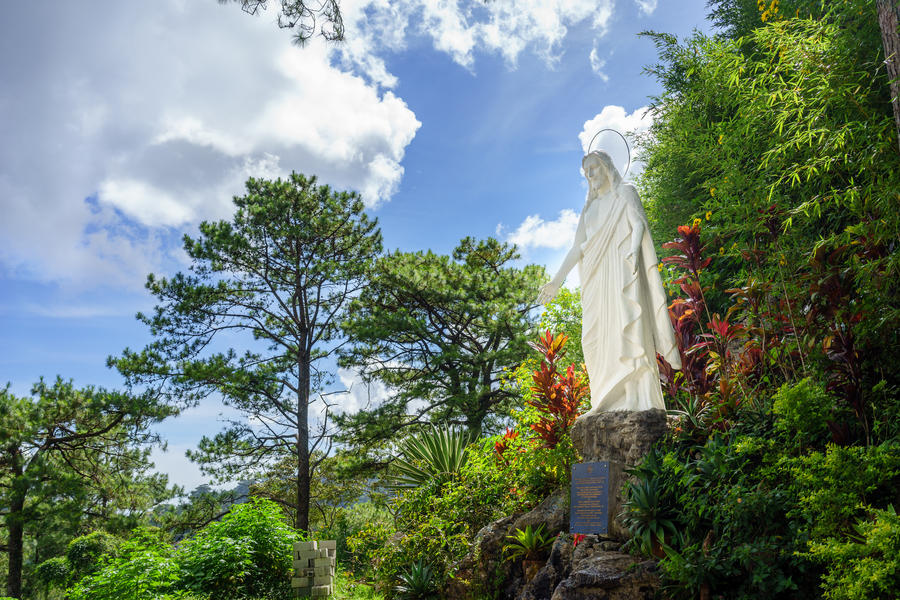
x: 625, y: 320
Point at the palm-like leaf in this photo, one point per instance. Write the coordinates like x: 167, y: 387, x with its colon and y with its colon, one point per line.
x: 438, y: 454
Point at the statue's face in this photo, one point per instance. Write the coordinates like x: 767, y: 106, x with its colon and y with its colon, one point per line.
x: 597, y: 174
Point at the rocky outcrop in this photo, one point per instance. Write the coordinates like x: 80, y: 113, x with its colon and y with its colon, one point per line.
x: 623, y: 438
x: 553, y: 513
x: 595, y: 570
x: 487, y: 569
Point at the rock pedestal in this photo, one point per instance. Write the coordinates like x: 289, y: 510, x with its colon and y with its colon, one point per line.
x: 623, y: 438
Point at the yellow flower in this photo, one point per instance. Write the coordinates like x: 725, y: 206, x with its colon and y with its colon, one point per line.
x: 721, y: 250
x: 697, y: 223
x: 721, y: 137
x: 712, y: 192
x: 782, y: 260
x: 659, y: 267
x: 708, y: 215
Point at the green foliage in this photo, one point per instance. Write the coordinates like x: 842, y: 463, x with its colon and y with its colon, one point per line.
x: 85, y: 554
x: 416, y: 582
x: 365, y: 545
x: 528, y: 544
x: 145, y: 568
x: 435, y: 454
x: 834, y: 488
x: 75, y: 459
x: 740, y: 513
x: 802, y: 410
x: 358, y: 529
x: 865, y: 568
x: 782, y: 142
x: 53, y: 573
x: 439, y: 330
x: 247, y: 553
x: 642, y: 513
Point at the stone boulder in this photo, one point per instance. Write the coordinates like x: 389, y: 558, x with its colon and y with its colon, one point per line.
x: 623, y: 438
x: 609, y: 576
x: 595, y: 569
x: 552, y: 513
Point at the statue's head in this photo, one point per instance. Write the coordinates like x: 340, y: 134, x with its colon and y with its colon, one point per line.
x: 600, y: 171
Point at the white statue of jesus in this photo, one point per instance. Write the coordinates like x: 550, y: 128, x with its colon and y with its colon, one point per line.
x: 624, y: 314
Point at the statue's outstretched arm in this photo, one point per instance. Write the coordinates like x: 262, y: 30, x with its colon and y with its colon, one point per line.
x: 548, y: 292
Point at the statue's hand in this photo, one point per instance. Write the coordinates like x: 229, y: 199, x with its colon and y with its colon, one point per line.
x: 547, y: 293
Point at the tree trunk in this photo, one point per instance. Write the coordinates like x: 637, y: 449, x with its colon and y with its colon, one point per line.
x: 15, y: 530
x: 888, y: 18
x: 302, y: 520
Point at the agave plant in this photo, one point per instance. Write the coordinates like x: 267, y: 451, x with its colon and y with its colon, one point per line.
x: 418, y: 582
x: 437, y: 454
x: 528, y: 544
x: 644, y: 517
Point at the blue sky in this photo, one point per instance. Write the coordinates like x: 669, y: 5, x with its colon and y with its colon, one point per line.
x: 125, y: 124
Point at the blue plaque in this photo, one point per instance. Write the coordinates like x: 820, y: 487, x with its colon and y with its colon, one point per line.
x: 589, y: 510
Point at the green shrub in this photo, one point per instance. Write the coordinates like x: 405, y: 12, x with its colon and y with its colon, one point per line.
x: 802, y: 410
x: 145, y: 569
x: 86, y: 553
x: 867, y: 568
x: 247, y: 553
x: 416, y: 582
x: 53, y: 573
x: 364, y: 546
x: 834, y: 488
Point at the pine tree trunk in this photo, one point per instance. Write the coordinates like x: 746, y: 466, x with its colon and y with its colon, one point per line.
x: 302, y: 521
x: 15, y: 545
x: 888, y: 18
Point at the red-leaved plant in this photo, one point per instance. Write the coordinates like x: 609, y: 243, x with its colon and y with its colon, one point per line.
x: 555, y: 395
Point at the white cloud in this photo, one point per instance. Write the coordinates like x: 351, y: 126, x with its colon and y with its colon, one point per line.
x: 630, y: 125
x: 357, y: 394
x: 158, y: 114
x: 460, y: 28
x: 535, y: 232
x: 598, y: 64
x: 647, y: 7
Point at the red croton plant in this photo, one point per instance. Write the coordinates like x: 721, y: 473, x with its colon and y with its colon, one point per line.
x: 556, y: 396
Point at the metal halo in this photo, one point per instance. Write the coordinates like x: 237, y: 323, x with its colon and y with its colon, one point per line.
x: 627, y: 147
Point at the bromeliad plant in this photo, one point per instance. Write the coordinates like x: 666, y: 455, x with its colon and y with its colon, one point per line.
x: 528, y: 544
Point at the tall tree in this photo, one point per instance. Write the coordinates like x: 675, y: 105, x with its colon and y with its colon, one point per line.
x: 889, y: 21
x: 281, y: 273
x: 439, y: 331
x: 64, y: 447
